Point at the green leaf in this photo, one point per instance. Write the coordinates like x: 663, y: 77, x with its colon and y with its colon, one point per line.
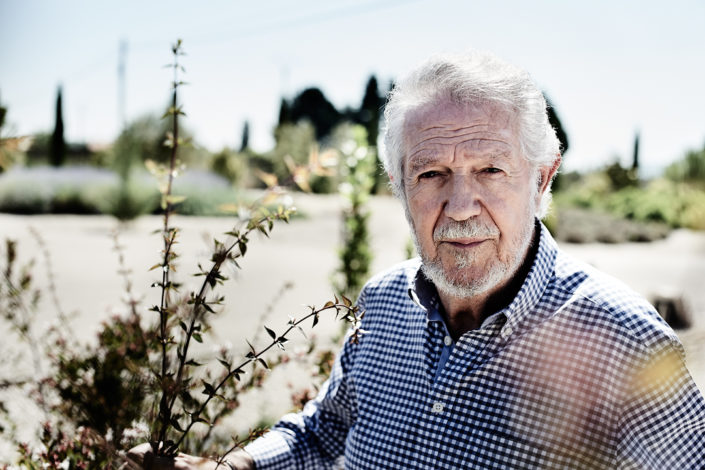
x: 197, y: 337
x: 270, y: 332
x: 208, y: 389
x: 175, y: 198
x: 237, y: 373
x: 302, y: 331
x: 225, y: 364
x: 183, y: 326
x: 175, y: 423
x: 263, y: 362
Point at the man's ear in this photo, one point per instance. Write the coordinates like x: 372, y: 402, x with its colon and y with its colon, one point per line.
x: 547, y: 173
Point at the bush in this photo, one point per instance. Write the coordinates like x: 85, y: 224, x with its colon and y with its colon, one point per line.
x: 230, y: 165
x: 662, y: 200
x: 674, y: 204
x: 41, y: 190
x: 177, y: 394
x: 89, y: 190
x: 690, y: 169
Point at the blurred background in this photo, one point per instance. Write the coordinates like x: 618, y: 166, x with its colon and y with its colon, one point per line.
x: 277, y: 88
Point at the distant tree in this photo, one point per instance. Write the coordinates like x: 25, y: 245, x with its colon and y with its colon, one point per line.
x: 144, y: 139
x: 313, y: 106
x: 689, y: 169
x: 284, y: 112
x: 11, y: 147
x: 620, y: 177
x: 245, y: 142
x: 294, y: 140
x: 369, y: 116
x: 635, y: 155
x: 57, y: 150
x: 371, y: 110
x: 555, y: 122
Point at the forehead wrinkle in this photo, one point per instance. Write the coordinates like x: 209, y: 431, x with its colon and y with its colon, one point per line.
x: 445, y: 131
x: 425, y: 151
x: 436, y: 141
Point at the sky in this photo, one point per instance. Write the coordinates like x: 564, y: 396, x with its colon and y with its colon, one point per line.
x: 611, y: 68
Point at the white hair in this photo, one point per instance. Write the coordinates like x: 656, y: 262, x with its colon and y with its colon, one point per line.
x: 475, y: 78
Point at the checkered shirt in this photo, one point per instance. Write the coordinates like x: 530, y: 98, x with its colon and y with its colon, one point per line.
x: 576, y: 372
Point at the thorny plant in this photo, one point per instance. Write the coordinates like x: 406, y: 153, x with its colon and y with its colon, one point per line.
x: 88, y: 398
x: 355, y: 253
x: 18, y: 307
x: 176, y: 374
x: 101, y: 397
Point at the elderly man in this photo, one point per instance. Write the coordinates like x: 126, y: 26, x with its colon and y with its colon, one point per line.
x: 495, y: 349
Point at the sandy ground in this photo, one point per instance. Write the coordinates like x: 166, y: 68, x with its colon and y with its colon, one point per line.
x: 303, y: 253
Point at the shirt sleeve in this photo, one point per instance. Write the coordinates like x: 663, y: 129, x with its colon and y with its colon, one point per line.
x: 663, y: 420
x: 315, y: 437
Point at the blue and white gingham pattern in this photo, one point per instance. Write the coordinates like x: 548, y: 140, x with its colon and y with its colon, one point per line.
x: 577, y: 372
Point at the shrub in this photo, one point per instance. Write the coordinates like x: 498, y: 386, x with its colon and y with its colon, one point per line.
x: 690, y: 169
x: 231, y: 165
x: 40, y: 190
x: 153, y: 378
x: 357, y: 165
x: 675, y: 204
x: 89, y: 190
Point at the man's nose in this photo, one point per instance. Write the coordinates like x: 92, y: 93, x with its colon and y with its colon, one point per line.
x: 463, y: 198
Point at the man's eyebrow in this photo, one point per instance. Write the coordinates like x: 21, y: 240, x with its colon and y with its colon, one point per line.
x: 503, y: 155
x: 420, y: 161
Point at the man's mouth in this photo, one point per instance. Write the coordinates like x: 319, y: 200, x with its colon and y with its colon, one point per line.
x: 464, y: 243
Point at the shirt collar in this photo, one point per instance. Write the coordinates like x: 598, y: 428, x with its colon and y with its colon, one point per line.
x: 424, y: 293
x: 524, y: 305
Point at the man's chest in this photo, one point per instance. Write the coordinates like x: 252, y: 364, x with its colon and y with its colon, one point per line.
x: 527, y: 402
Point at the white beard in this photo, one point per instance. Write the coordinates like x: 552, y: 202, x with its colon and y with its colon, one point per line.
x: 464, y: 286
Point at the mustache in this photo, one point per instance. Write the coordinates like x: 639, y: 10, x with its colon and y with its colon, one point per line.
x: 469, y: 228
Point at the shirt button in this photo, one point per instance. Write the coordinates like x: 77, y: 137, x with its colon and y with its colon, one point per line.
x: 507, y: 331
x: 447, y: 340
x: 437, y: 407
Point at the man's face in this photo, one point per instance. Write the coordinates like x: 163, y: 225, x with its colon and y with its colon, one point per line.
x: 471, y: 195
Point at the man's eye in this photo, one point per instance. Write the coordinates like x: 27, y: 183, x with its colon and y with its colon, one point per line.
x: 492, y: 170
x: 428, y: 174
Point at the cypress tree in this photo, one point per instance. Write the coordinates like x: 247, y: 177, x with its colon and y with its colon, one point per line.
x: 245, y: 142
x: 555, y: 122
x: 57, y: 149
x: 284, y: 112
x: 370, y: 110
x: 312, y: 105
x: 635, y: 157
